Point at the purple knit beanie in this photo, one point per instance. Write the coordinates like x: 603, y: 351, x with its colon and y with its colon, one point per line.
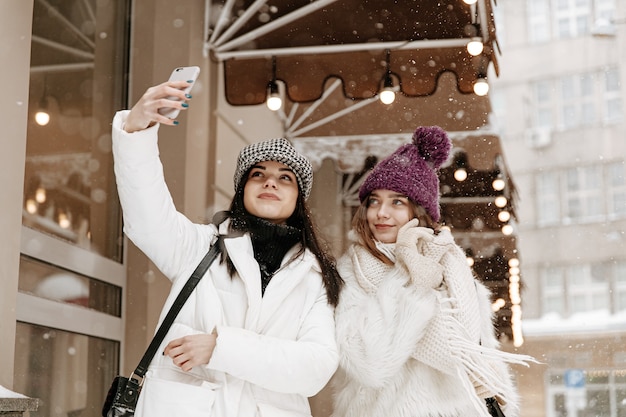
x: 412, y: 169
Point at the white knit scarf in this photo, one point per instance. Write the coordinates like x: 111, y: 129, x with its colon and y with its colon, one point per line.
x: 448, y: 344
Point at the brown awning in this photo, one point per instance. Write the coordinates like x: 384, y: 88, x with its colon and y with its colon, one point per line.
x: 304, y: 43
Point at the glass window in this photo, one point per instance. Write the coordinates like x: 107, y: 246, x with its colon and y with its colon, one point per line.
x: 604, y: 10
x: 612, y: 96
x: 568, y: 116
x: 543, y: 92
x: 584, y: 192
x: 68, y: 372
x: 76, y: 84
x: 553, y: 300
x: 568, y: 88
x: 598, y: 403
x: 588, y: 116
x: 620, y: 285
x: 548, y: 198
x: 587, y: 292
x: 538, y: 21
x: 604, y: 395
x: 617, y: 189
x: 58, y: 284
x: 612, y: 80
x: 71, y: 277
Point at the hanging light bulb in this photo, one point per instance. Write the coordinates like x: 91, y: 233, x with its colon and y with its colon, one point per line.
x: 42, y: 117
x: 475, y: 46
x: 64, y: 220
x: 387, y: 95
x: 460, y: 174
x: 507, y: 229
x: 31, y: 206
x: 40, y: 195
x: 481, y: 87
x: 274, y: 102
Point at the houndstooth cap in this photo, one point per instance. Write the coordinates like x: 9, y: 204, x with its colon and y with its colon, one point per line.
x: 279, y: 150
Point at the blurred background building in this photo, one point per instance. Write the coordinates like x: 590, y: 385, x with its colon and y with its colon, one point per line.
x: 559, y: 109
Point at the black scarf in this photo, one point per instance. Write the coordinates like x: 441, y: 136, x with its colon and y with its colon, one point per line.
x: 270, y: 242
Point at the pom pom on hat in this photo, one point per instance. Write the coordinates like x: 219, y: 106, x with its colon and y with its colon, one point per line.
x: 279, y: 150
x: 433, y: 144
x: 412, y: 169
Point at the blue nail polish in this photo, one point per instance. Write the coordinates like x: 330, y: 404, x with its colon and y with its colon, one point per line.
x: 190, y: 81
x: 175, y: 122
x: 185, y: 105
x: 188, y: 95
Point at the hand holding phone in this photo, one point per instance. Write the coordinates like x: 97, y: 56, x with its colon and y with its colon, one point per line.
x: 189, y: 74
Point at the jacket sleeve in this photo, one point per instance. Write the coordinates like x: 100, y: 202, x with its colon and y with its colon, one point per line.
x: 377, y: 332
x: 151, y: 221
x: 302, y: 366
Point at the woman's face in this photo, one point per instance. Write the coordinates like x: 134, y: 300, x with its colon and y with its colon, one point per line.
x: 387, y: 212
x: 271, y: 191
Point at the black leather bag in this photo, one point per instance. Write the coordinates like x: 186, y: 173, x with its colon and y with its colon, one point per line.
x: 122, y: 397
x: 121, y: 400
x: 493, y: 407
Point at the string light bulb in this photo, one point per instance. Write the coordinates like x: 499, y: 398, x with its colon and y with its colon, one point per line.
x: 498, y: 184
x: 460, y: 174
x: 501, y: 201
x: 387, y: 95
x: 481, y: 86
x: 42, y: 117
x: 274, y: 102
x: 475, y: 46
x: 513, y: 262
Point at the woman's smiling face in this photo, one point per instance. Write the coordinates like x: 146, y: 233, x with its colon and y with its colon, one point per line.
x: 387, y: 212
x: 271, y: 191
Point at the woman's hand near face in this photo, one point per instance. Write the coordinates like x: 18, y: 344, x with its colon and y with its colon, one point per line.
x: 145, y: 112
x: 412, y: 236
x: 192, y: 350
x: 423, y: 272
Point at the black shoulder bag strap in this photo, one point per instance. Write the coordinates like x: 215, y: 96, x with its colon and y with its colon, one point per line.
x: 123, y: 395
x: 193, y: 280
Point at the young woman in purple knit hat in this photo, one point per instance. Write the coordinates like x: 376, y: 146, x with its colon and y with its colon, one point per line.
x: 414, y: 327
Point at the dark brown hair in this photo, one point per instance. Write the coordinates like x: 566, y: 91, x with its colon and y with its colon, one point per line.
x: 301, y: 219
x: 362, y: 229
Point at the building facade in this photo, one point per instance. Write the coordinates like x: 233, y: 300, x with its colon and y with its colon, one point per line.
x: 559, y: 108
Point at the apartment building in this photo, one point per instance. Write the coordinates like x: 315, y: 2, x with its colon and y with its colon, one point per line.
x: 559, y: 107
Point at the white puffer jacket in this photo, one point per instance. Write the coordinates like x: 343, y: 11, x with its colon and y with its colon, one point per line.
x: 272, y: 352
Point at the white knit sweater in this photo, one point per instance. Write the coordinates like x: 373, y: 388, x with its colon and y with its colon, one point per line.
x: 417, y: 342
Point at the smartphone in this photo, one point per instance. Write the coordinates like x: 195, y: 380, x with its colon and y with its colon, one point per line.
x: 180, y: 74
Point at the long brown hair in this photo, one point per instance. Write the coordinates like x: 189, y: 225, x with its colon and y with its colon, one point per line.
x: 362, y: 229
